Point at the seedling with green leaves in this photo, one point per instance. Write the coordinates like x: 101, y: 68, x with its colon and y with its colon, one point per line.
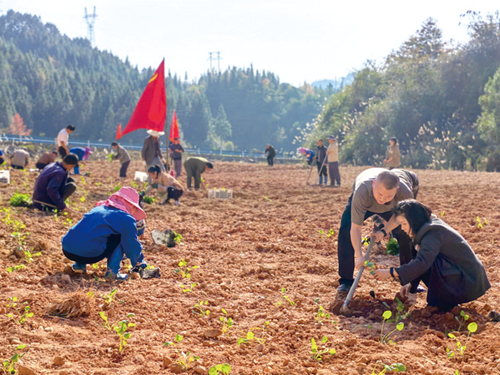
x: 21, y: 314
x: 16, y: 268
x: 184, y: 269
x: 110, y: 298
x: 184, y: 360
x: 188, y: 288
x: 399, y: 311
x: 148, y: 200
x: 384, y: 339
x: 321, y: 315
x: 472, y: 327
x: 28, y: 255
x: 370, y: 266
x: 392, y: 247
x: 227, y: 323
x: 120, y: 328
x: 461, y: 322
x: 219, y: 369
x: 177, y: 237
x: 20, y: 200
x: 285, y: 297
x: 200, y: 309
x: 395, y: 367
x: 9, y: 365
x: 317, y: 353
x: 251, y: 336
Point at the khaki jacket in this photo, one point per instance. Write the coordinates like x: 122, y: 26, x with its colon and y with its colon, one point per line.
x: 333, y: 152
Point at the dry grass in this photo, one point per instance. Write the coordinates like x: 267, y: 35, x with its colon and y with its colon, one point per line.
x: 73, y: 305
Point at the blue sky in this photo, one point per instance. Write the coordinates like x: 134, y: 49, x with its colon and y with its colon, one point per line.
x: 304, y: 40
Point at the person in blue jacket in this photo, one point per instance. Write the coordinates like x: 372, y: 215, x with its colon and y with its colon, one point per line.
x: 309, y: 154
x: 83, y: 155
x: 53, y: 186
x: 2, y: 157
x: 108, y: 231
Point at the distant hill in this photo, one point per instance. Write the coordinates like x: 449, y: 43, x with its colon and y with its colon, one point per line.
x: 337, y: 83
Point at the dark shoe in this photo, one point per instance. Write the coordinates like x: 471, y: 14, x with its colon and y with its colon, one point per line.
x: 344, y: 288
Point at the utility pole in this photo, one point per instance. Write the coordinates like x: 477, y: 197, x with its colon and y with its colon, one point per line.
x: 218, y: 60
x: 90, y: 19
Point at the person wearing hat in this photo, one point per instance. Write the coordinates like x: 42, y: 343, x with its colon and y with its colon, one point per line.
x: 271, y: 153
x: 19, y: 159
x: 108, y: 231
x: 333, y: 160
x: 83, y: 155
x: 194, y: 167
x: 46, y: 159
x: 151, y: 152
x: 62, y: 140
x: 123, y: 156
x: 53, y: 186
x: 392, y: 155
x: 176, y: 151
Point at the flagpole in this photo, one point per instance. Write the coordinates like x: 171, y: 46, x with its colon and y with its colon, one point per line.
x: 166, y: 138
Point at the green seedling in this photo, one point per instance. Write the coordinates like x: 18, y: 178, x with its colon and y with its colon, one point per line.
x: 316, y: 353
x: 472, y: 327
x: 188, y: 288
x: 227, y: 323
x: 386, y: 338
x: 442, y: 213
x: 98, y: 183
x: 184, y: 359
x: 251, y: 336
x: 184, y: 269
x: 21, y: 315
x: 331, y: 232
x: 110, y: 157
x: 370, y: 266
x: 177, y: 237
x: 479, y: 224
x: 16, y: 268
x: 219, y: 369
x: 148, y: 200
x: 9, y: 365
x: 392, y: 247
x: 120, y: 328
x: 200, y: 309
x: 28, y: 255
x: 462, y: 321
x: 109, y: 299
x: 321, y: 315
x: 285, y: 297
x: 117, y: 187
x: 20, y: 200
x: 395, y: 367
x: 399, y: 311
x: 322, y: 232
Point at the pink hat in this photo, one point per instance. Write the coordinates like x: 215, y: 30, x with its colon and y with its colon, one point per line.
x: 88, y: 152
x: 125, y: 199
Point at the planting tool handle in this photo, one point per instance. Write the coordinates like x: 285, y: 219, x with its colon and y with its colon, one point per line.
x: 358, y: 276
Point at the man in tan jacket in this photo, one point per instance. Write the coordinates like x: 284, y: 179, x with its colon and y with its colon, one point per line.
x: 333, y: 160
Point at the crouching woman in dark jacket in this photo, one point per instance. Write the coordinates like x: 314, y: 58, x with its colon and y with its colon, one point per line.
x: 442, y: 259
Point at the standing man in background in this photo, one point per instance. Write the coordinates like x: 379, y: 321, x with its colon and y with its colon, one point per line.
x: 271, y: 153
x: 333, y: 160
x: 176, y: 151
x: 151, y: 152
x: 62, y: 140
x: 321, y: 156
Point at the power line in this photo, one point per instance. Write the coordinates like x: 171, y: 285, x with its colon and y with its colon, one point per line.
x: 213, y: 58
x: 90, y: 19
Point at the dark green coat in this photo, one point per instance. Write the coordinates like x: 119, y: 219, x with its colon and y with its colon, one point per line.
x: 454, y: 273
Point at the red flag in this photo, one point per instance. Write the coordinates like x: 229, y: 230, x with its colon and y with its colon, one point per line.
x: 151, y: 110
x: 174, y: 129
x: 119, y: 131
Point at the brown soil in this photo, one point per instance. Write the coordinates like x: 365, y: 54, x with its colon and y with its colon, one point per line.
x: 248, y: 248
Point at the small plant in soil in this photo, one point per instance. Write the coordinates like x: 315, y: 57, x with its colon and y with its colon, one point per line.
x: 321, y: 315
x: 177, y: 237
x: 188, y: 288
x: 9, y: 365
x: 200, y: 309
x: 392, y: 247
x: 395, y: 367
x: 472, y: 327
x: 20, y: 200
x: 16, y: 268
x: 184, y: 269
x: 227, y: 323
x: 120, y: 328
x: 385, y: 339
x: 184, y: 360
x: 220, y: 369
x: 461, y: 321
x: 148, y: 200
x: 370, y: 266
x: 399, y: 311
x: 251, y: 336
x: 28, y: 255
x: 21, y: 314
x: 285, y: 297
x: 317, y: 353
x: 110, y: 298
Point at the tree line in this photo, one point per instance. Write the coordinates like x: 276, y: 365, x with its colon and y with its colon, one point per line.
x: 441, y: 100
x: 51, y: 80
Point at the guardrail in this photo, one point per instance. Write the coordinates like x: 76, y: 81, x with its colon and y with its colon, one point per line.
x: 88, y: 143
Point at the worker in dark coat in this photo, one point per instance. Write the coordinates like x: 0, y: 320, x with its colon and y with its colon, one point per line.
x: 271, y: 154
x: 442, y: 259
x: 151, y: 152
x: 194, y: 167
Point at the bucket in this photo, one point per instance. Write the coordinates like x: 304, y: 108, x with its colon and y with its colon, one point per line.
x: 5, y: 177
x: 141, y: 176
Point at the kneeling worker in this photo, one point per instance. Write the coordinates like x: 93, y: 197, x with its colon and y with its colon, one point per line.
x: 53, y: 186
x: 108, y: 231
x: 194, y: 167
x: 46, y: 159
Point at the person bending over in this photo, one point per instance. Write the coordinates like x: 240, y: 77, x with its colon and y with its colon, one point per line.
x: 166, y: 185
x: 108, y: 231
x: 441, y: 258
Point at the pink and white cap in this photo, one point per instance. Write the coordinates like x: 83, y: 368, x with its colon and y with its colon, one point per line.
x: 125, y: 199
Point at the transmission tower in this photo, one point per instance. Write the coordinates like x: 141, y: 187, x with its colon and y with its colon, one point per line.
x: 212, y: 58
x: 90, y: 19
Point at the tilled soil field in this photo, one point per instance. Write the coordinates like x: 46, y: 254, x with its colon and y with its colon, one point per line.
x: 276, y: 234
